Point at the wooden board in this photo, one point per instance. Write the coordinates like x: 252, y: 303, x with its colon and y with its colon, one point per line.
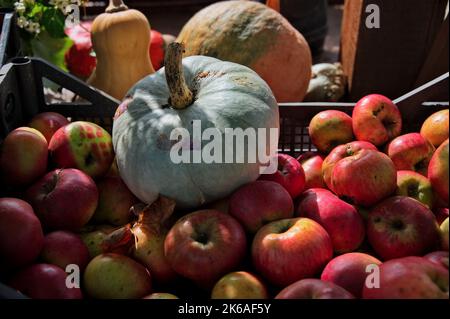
x: 389, y: 60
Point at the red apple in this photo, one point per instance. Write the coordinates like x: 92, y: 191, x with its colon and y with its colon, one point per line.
x: 410, y: 278
x: 239, y: 285
x: 114, y: 202
x: 260, y: 202
x: 314, y: 289
x: 205, y: 245
x: 79, y: 58
x: 364, y: 178
x: 157, y: 49
x: 376, y: 120
x: 411, y: 152
x: 21, y: 237
x: 114, y: 276
x: 329, y: 129
x: 62, y: 248
x: 341, y: 220
x: 340, y: 152
x: 288, y: 250
x: 312, y: 165
x: 439, y: 257
x: 349, y: 271
x: 44, y: 281
x: 415, y: 185
x: 290, y: 175
x: 82, y: 145
x: 435, y: 128
x: 64, y: 199
x: 23, y: 157
x: 48, y: 123
x: 401, y: 226
x: 438, y: 172
x: 444, y: 234
x: 441, y: 214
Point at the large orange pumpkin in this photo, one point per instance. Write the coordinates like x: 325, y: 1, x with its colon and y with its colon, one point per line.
x: 254, y: 35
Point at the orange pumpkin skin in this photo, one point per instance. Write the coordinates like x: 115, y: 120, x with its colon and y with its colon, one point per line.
x: 251, y: 34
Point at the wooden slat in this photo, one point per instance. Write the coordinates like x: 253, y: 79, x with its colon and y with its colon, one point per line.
x: 437, y: 60
x: 349, y: 37
x: 388, y: 60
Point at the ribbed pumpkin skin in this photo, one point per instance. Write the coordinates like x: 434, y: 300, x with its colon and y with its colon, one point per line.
x: 121, y: 43
x: 227, y: 95
x: 251, y: 34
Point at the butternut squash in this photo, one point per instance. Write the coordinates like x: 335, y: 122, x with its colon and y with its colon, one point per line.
x: 121, y: 40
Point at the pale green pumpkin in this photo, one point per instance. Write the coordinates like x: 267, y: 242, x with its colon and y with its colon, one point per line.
x: 219, y: 94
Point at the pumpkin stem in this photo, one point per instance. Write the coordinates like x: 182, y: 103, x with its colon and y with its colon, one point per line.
x: 180, y: 95
x: 116, y: 6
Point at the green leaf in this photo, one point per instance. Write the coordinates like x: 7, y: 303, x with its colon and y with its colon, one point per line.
x: 51, y: 49
x: 37, y: 10
x: 53, y: 20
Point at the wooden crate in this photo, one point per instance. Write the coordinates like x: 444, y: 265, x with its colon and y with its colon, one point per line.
x: 398, y: 56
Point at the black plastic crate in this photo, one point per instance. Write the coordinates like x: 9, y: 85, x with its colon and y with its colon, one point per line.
x: 22, y: 97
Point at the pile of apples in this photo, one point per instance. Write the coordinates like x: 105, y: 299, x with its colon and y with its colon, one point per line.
x: 366, y: 216
x: 58, y: 176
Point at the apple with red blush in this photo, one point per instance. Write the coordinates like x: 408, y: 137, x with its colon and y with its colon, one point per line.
x: 411, y: 152
x: 329, y: 129
x: 260, y: 202
x: 350, y: 271
x: 312, y: 288
x: 312, y: 165
x: 84, y: 146
x: 409, y: 278
x: 290, y: 175
x: 23, y: 157
x: 64, y: 199
x: 376, y: 119
x: 341, y: 220
x: 63, y: 248
x: 48, y: 123
x: 402, y: 226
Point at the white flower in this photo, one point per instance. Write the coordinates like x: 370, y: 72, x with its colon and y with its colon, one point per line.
x: 19, y: 7
x: 22, y: 22
x: 33, y: 27
x: 60, y: 4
